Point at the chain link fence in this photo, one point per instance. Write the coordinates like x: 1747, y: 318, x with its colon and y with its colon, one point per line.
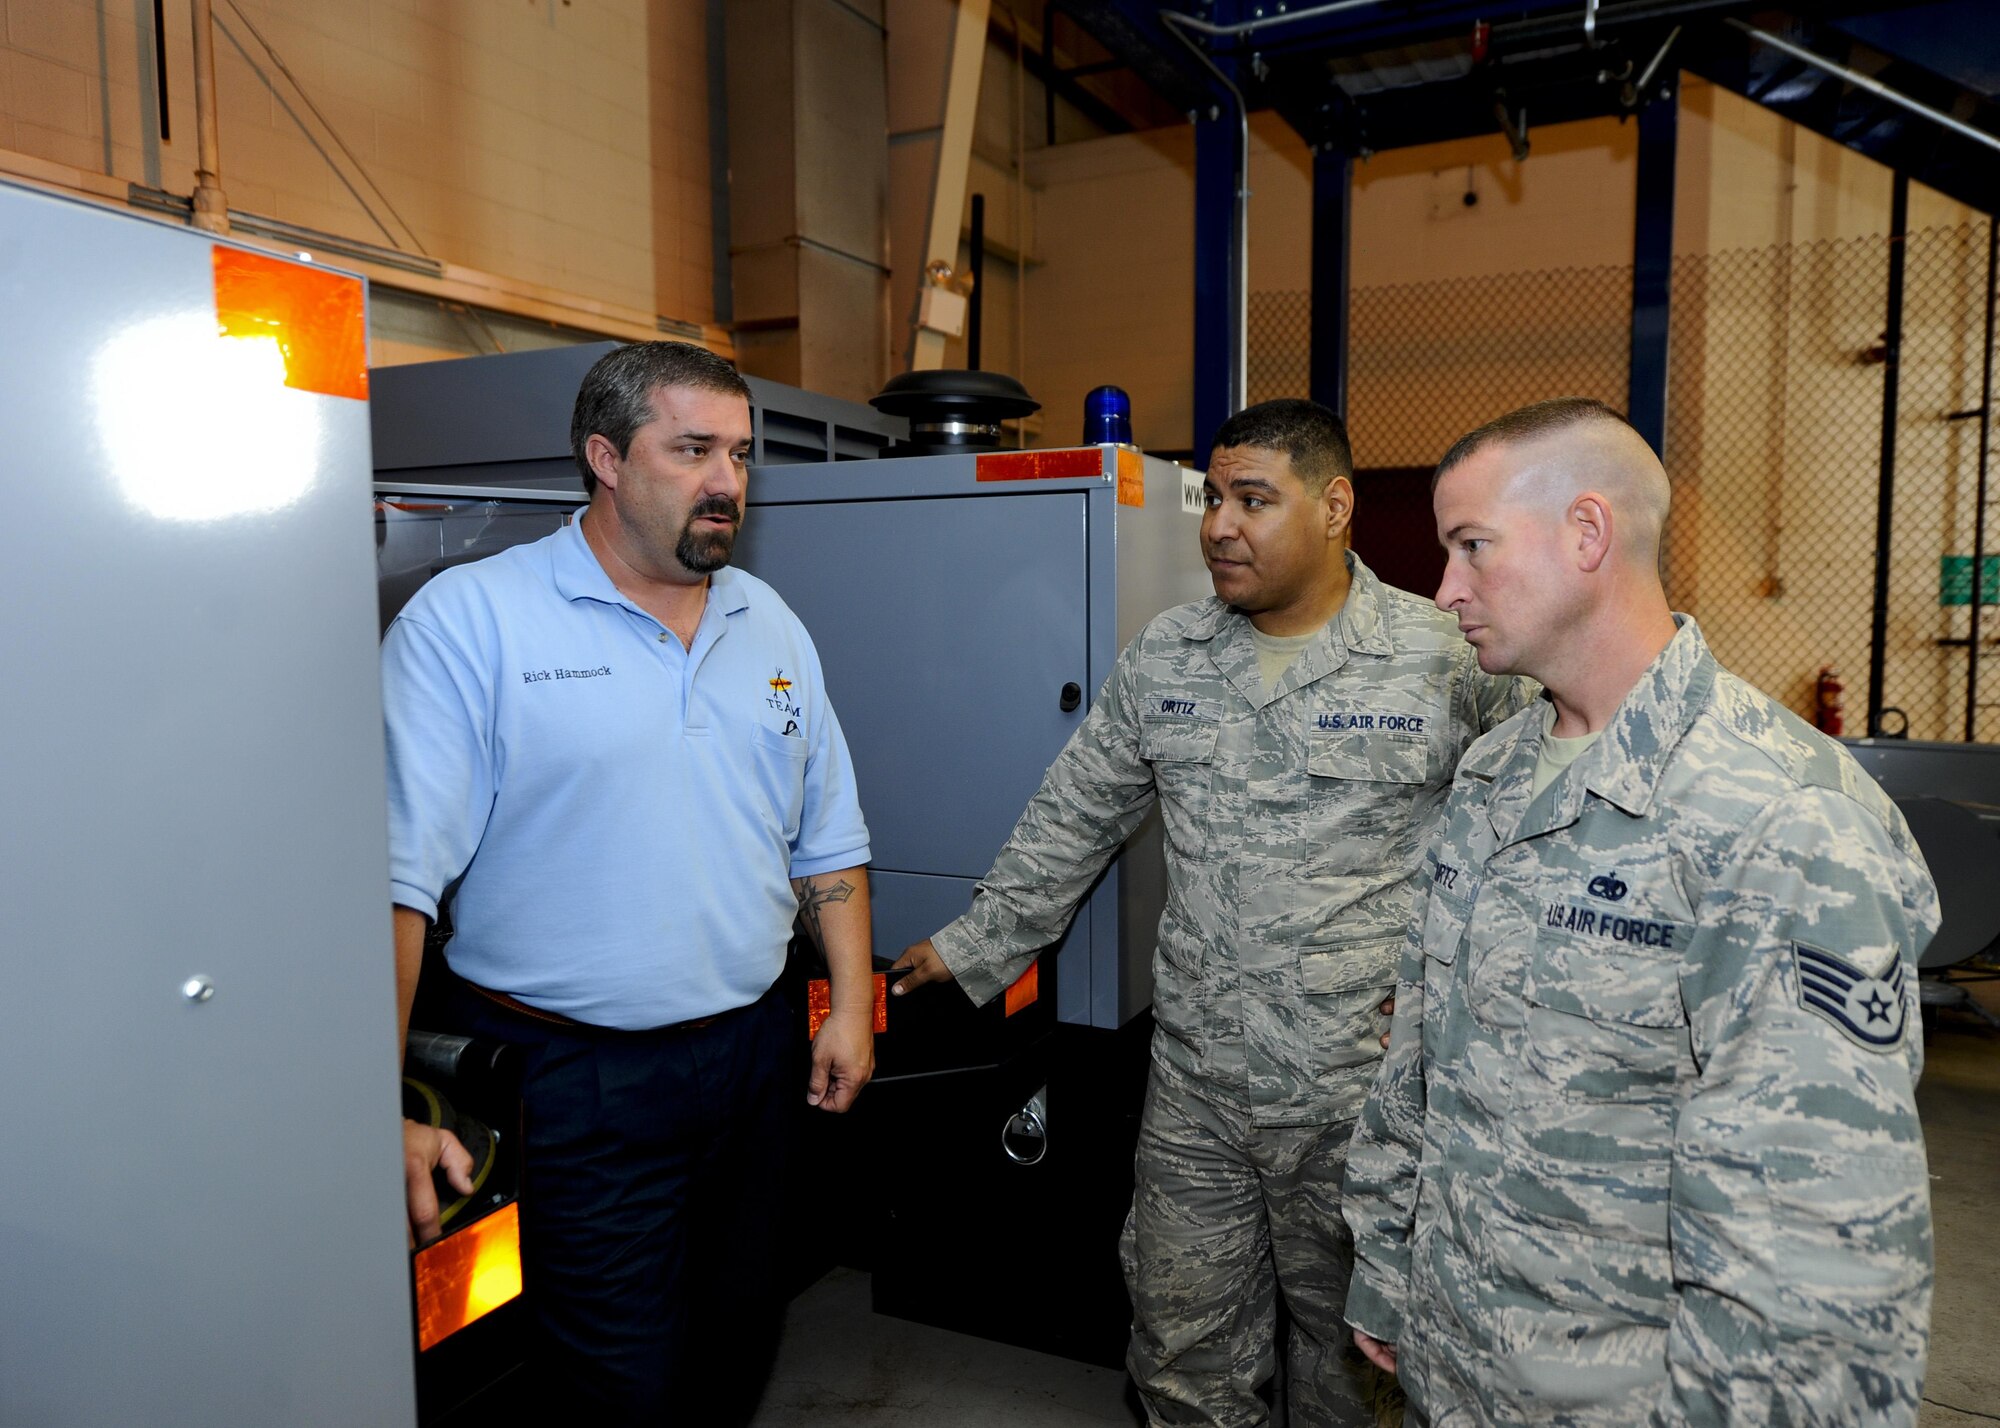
x: 1774, y: 441
x: 1774, y: 437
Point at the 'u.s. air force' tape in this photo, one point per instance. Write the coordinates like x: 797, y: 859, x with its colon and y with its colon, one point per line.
x: 1869, y: 1010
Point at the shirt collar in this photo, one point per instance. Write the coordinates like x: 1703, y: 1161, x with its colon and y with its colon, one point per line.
x: 1359, y: 623
x: 1358, y: 626
x: 1625, y: 765
x: 578, y: 575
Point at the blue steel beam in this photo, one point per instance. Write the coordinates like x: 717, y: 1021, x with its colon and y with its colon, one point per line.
x: 1951, y: 38
x: 1219, y: 179
x: 1134, y: 34
x: 1653, y: 260
x: 1542, y: 67
x: 1905, y: 142
x: 1332, y: 213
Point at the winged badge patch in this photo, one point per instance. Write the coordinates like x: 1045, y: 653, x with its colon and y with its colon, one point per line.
x: 1870, y: 1011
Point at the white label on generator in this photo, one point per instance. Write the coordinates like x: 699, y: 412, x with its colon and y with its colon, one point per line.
x: 1191, y: 500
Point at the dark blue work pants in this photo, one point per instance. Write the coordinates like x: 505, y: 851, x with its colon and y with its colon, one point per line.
x: 655, y: 1169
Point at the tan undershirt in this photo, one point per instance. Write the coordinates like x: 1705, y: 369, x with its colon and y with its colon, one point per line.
x: 1275, y: 653
x: 1556, y: 754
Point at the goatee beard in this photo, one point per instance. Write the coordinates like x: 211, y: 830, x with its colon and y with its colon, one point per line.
x: 704, y: 552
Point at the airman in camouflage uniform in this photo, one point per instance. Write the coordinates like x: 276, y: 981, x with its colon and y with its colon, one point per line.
x: 1644, y: 1148
x: 1295, y: 816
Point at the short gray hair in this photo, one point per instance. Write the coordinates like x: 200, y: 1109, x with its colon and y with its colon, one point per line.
x: 616, y: 397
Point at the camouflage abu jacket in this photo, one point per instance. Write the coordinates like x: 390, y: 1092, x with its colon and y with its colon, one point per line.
x: 1294, y: 825
x: 1644, y: 1148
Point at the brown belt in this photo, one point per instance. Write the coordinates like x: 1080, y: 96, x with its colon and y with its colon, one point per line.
x: 539, y: 1014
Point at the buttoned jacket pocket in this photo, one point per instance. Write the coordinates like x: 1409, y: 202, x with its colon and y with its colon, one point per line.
x: 1368, y: 757
x: 1345, y: 984
x: 1361, y: 787
x: 1446, y: 914
x: 1599, y: 977
x: 1605, y: 1021
x: 1180, y: 1003
x: 1606, y: 1044
x: 1182, y: 754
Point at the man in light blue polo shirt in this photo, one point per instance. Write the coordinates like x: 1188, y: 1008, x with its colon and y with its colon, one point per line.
x: 613, y: 759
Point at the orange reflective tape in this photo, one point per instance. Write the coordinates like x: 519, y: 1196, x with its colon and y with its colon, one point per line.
x: 1027, y: 989
x: 318, y: 319
x: 1065, y: 464
x: 468, y: 1274
x: 819, y: 1004
x: 1131, y: 478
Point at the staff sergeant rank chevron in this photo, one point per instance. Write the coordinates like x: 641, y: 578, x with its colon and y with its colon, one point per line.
x: 1870, y: 1010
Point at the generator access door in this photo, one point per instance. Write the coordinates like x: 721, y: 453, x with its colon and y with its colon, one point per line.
x: 949, y: 629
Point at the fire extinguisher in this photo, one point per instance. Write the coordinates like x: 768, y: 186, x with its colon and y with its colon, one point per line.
x: 1827, y: 692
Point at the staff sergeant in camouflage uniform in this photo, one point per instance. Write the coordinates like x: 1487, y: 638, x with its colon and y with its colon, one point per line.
x: 1298, y: 732
x: 1644, y: 1149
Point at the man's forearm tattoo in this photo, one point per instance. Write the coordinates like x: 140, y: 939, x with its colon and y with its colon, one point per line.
x: 814, y: 895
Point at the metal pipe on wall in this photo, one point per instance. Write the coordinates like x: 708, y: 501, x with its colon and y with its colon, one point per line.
x: 1865, y: 82
x: 1250, y: 27
x: 160, y: 71
x: 1973, y: 634
x: 1885, y: 504
x: 975, y: 307
x: 211, y: 208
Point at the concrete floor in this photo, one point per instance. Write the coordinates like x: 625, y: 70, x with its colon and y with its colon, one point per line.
x: 842, y: 1364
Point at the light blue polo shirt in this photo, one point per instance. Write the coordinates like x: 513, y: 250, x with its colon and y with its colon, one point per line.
x: 626, y: 814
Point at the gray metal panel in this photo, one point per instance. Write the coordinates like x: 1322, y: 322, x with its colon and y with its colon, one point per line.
x: 1159, y: 550
x: 796, y: 426
x: 876, y: 560
x: 908, y: 907
x: 947, y: 629
x: 892, y: 478
x: 1950, y: 794
x: 202, y: 1217
x: 454, y: 491
x: 1916, y: 768
x: 415, y: 538
x: 522, y: 479
x: 511, y: 407
x: 514, y: 409
x: 1961, y: 844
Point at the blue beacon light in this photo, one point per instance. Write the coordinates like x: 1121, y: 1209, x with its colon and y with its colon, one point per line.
x: 1107, y: 416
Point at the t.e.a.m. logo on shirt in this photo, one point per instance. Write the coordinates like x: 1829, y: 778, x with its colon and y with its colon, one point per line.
x: 780, y: 699
x: 542, y: 676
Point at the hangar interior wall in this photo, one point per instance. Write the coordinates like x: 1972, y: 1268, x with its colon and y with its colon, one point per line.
x: 1460, y: 312
x: 560, y: 154
x: 559, y: 151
